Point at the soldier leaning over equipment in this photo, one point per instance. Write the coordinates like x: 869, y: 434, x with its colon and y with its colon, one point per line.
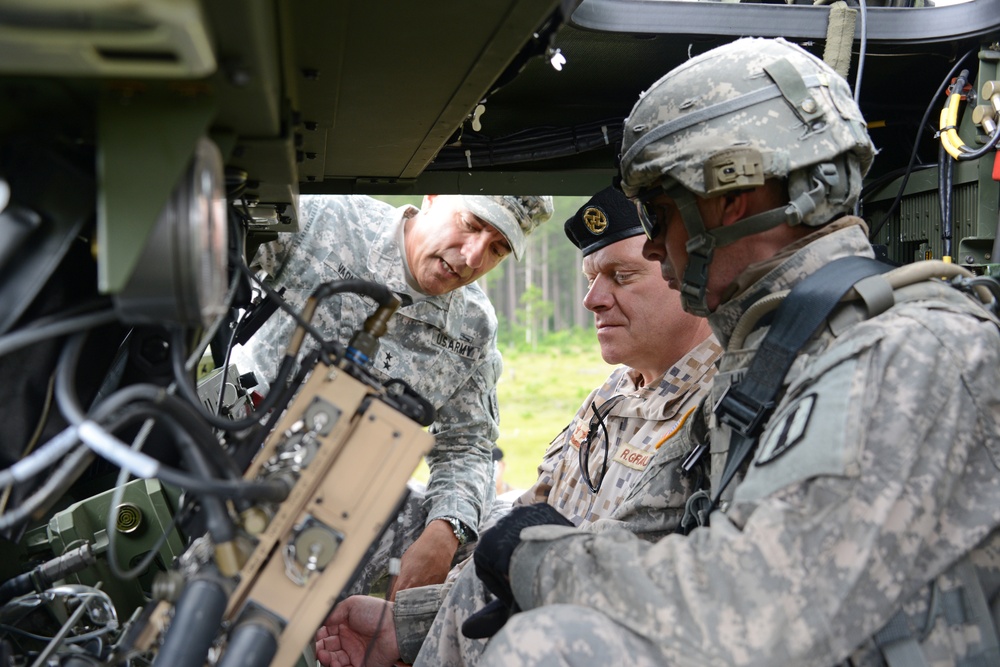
x: 442, y: 341
x: 670, y: 358
x: 862, y: 528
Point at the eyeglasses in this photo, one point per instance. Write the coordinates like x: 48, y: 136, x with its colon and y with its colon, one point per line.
x: 648, y: 217
x: 597, y: 421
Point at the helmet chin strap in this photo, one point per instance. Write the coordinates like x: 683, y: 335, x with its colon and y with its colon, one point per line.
x: 700, y: 248
x: 702, y: 242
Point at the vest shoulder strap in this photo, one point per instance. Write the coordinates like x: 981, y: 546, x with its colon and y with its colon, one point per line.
x: 746, y: 405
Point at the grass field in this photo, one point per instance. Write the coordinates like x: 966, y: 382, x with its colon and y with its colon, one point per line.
x: 539, y: 392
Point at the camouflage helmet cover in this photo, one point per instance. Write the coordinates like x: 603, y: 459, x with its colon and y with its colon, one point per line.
x: 763, y: 97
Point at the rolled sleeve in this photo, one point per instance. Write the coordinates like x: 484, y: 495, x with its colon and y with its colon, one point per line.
x: 413, y: 614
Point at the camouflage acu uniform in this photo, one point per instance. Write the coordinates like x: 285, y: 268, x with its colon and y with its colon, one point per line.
x: 443, y: 346
x: 874, y: 487
x: 637, y: 424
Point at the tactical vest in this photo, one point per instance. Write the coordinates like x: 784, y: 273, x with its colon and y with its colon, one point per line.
x: 965, y: 598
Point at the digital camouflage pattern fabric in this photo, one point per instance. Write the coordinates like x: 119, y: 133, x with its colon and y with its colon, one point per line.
x: 636, y: 425
x: 771, y: 96
x: 515, y: 216
x: 444, y: 346
x: 884, y: 493
x: 637, y: 422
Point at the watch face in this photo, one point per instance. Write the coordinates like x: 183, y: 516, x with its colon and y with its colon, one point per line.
x: 459, y: 530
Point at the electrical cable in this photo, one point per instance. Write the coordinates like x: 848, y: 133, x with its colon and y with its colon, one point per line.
x: 97, y: 438
x: 477, y: 150
x: 202, y: 437
x: 380, y: 293
x: 946, y: 185
x: 303, y: 322
x: 92, y: 306
x: 44, y: 457
x: 949, y: 118
x: 206, y: 340
x: 888, y: 177
x: 150, y: 556
x: 117, y: 497
x: 863, y: 6
x: 255, y: 440
x: 198, y: 615
x: 70, y: 468
x: 141, y: 465
x: 219, y: 524
x: 950, y: 140
x: 990, y: 145
x: 87, y: 636
x: 60, y: 636
x: 78, y: 461
x: 32, y: 601
x: 284, y: 305
x: 66, y: 398
x: 42, y: 418
x: 25, y: 337
x: 952, y: 149
x: 183, y: 383
x: 916, y: 144
x: 35, y: 436
x: 862, y: 50
x: 225, y: 366
x: 181, y: 411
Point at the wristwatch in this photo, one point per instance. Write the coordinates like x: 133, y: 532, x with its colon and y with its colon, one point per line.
x: 457, y: 527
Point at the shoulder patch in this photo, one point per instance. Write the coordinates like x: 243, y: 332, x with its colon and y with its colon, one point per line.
x: 789, y: 432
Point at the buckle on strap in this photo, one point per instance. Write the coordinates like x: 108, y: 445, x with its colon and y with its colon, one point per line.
x: 740, y: 412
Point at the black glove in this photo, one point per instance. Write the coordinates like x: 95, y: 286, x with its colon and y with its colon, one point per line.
x: 492, y: 561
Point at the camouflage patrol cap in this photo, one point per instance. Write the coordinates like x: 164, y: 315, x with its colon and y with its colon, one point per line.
x: 737, y: 114
x: 608, y: 217
x: 514, y: 216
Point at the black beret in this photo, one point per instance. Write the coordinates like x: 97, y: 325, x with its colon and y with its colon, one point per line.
x: 608, y: 217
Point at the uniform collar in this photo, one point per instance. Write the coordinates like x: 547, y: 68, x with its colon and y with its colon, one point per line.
x: 842, y: 238
x: 659, y: 399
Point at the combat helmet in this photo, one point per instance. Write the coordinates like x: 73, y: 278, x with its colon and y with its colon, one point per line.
x: 733, y: 117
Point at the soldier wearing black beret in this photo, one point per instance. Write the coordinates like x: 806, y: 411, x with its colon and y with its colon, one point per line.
x: 608, y: 217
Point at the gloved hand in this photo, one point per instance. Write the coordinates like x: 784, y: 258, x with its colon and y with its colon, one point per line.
x: 492, y: 562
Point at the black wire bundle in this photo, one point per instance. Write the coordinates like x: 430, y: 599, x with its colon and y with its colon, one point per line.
x: 935, y: 100
x: 476, y: 150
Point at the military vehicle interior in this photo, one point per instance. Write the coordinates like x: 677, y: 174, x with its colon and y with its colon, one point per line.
x: 148, y: 146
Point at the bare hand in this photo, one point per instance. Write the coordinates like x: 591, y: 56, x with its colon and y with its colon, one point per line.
x: 428, y: 560
x: 358, y: 625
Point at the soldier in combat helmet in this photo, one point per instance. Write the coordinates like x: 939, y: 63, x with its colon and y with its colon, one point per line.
x: 861, y: 526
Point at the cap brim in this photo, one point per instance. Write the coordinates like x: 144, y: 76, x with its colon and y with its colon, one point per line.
x: 501, y: 219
